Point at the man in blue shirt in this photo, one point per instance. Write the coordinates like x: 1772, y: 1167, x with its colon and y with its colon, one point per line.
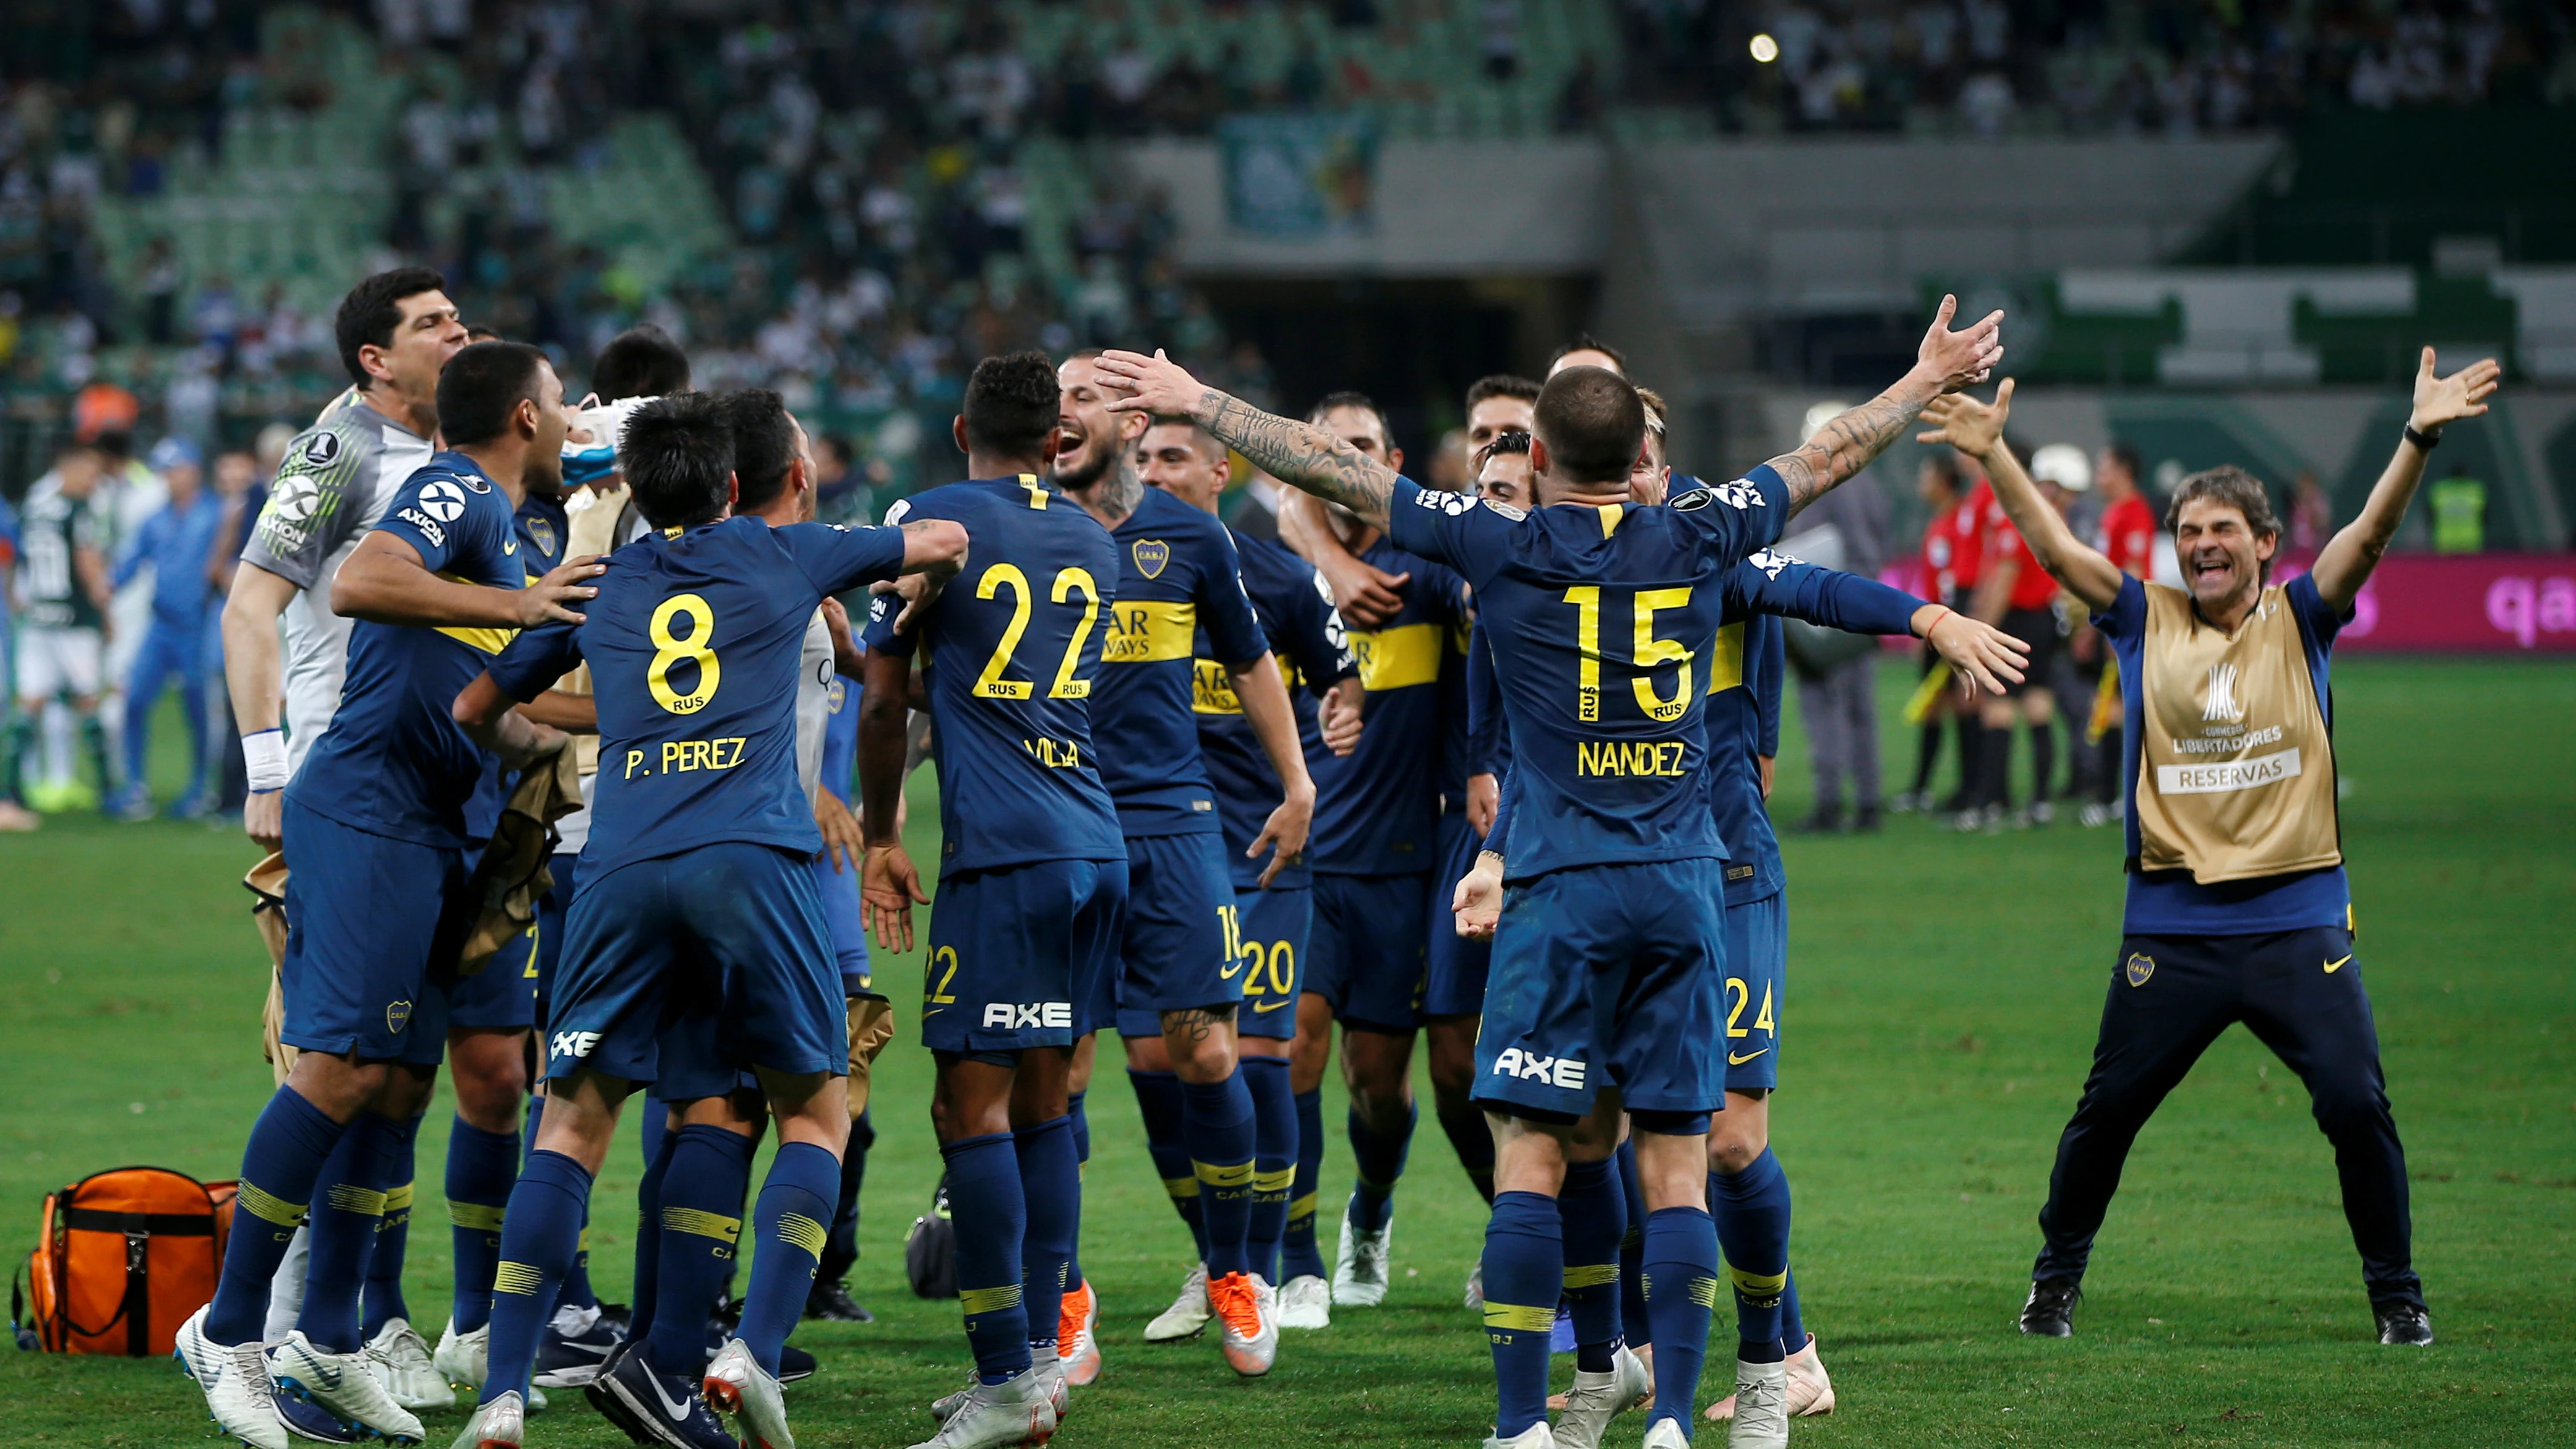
x: 175, y: 544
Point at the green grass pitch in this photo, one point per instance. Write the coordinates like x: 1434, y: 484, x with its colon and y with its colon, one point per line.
x: 1941, y: 1011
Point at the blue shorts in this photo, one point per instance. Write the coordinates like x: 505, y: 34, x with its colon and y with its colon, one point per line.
x: 1177, y: 952
x: 552, y: 908
x: 375, y: 928
x: 1367, y: 959
x: 721, y: 950
x: 1274, y: 926
x: 1455, y: 967
x: 1757, y: 974
x: 503, y: 995
x: 1016, y: 953
x: 839, y: 890
x: 1607, y: 975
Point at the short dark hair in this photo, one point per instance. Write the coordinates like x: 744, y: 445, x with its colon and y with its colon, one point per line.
x: 764, y: 444
x: 2126, y: 455
x: 481, y: 389
x: 1012, y: 402
x: 2230, y: 485
x: 480, y: 333
x: 1505, y: 443
x: 1347, y: 398
x: 1207, y: 444
x: 1586, y: 342
x: 677, y: 454
x: 373, y: 309
x: 1593, y: 424
x: 1501, y: 384
x: 1947, y: 465
x: 641, y: 361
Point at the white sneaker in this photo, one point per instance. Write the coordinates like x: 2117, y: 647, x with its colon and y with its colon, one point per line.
x: 1059, y: 1389
x: 1599, y: 1398
x: 235, y: 1382
x: 1533, y: 1437
x: 1188, y: 1314
x: 990, y: 1416
x: 1761, y: 1407
x: 1360, y: 1269
x: 464, y: 1359
x: 399, y: 1358
x: 340, y: 1385
x: 500, y: 1424
x: 1811, y: 1390
x: 1306, y: 1302
x: 1078, y: 1338
x: 1250, y: 1310
x: 1476, y: 1287
x: 739, y: 1386
x: 1665, y: 1434
x: 286, y: 1288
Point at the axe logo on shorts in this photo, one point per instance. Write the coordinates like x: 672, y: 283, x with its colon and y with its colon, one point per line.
x: 572, y: 1043
x: 1524, y: 1066
x: 1028, y: 1016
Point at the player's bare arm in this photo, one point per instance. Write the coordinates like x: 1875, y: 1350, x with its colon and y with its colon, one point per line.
x: 889, y: 884
x: 1983, y: 656
x: 254, y: 676
x: 849, y: 657
x: 925, y: 571
x: 1977, y: 429
x: 1946, y: 362
x: 385, y: 582
x: 1340, y: 717
x: 574, y: 714
x: 1363, y: 594
x: 1295, y: 453
x: 1476, y: 905
x: 1265, y: 707
x: 491, y: 717
x: 2344, y: 565
x: 843, y: 842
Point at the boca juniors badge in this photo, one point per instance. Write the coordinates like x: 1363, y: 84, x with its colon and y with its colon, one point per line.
x: 397, y: 1016
x: 541, y: 532
x: 2140, y: 967
x: 1151, y: 555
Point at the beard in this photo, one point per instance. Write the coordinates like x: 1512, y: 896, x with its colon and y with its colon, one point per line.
x: 1088, y: 465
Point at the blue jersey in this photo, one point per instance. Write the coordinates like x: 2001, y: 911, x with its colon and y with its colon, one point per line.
x: 1313, y: 654
x: 1377, y: 810
x: 1011, y: 658
x: 541, y: 530
x: 694, y: 646
x: 394, y: 762
x: 1603, y: 622
x: 1489, y: 744
x: 177, y: 543
x: 1177, y: 584
x: 840, y: 736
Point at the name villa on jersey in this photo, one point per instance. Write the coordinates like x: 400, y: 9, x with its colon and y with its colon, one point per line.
x: 1055, y: 754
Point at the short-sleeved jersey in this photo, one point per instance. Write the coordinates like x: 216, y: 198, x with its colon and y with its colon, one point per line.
x: 814, y: 676
x: 1177, y: 584
x: 1011, y: 658
x: 1377, y: 809
x: 53, y: 532
x: 2129, y: 536
x: 1954, y: 545
x: 1314, y: 654
x: 840, y: 762
x: 2033, y: 587
x: 394, y: 762
x: 1603, y: 623
x: 694, y: 645
x: 541, y: 529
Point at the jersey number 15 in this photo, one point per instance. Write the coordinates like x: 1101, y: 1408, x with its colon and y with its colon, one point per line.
x: 1647, y: 652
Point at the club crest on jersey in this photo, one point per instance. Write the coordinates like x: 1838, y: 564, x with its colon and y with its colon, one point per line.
x: 2140, y: 967
x: 397, y: 1016
x: 1524, y: 1066
x: 1152, y: 555
x: 320, y: 449
x: 541, y: 532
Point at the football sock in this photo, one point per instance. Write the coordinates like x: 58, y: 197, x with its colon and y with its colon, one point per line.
x: 1378, y: 1159
x: 1680, y: 1274
x: 13, y: 759
x: 991, y: 1215
x: 656, y: 1126
x: 541, y: 1232
x: 1927, y: 756
x: 1159, y: 1102
x: 843, y: 1251
x: 1594, y: 1215
x: 1474, y: 1140
x: 1752, y: 1212
x: 1274, y: 1160
x: 1298, y: 1255
x: 1081, y: 1170
x: 648, y: 1229
x: 1971, y: 758
x: 1994, y: 766
x: 1216, y: 1124
x: 2107, y: 781
x: 93, y: 732
x: 347, y: 1210
x: 2043, y: 762
x: 576, y: 1291
x: 1524, y: 1273
x: 698, y: 1219
x: 384, y: 1293
x: 1632, y: 1251
x: 1793, y: 1330
x: 1051, y: 1185
x: 288, y: 1146
x: 793, y: 1222
x: 480, y: 1169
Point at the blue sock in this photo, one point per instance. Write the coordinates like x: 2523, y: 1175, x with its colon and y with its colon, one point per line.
x: 576, y: 1291
x: 1632, y: 1251
x: 1524, y: 1273
x: 648, y: 1230
x: 384, y: 1293
x: 1051, y: 1186
x: 1298, y: 1255
x: 1752, y: 1212
x: 655, y: 1126
x: 1216, y: 1122
x: 1081, y: 1169
x: 1160, y: 1103
x: 793, y: 1221
x: 1378, y: 1158
x: 288, y: 1146
x: 345, y: 1219
x: 992, y: 1218
x: 697, y: 1218
x: 1681, y: 1288
x: 541, y: 1232
x: 1274, y: 1160
x: 1473, y: 1140
x: 1793, y: 1330
x: 1595, y: 1217
x: 480, y: 1169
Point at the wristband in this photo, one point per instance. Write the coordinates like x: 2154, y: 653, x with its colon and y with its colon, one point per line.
x: 1936, y: 622
x: 264, y: 759
x: 2425, y: 442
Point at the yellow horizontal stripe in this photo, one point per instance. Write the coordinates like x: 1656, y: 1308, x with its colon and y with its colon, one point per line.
x: 1703, y: 1290
x: 1181, y: 1186
x: 520, y: 1278
x: 1303, y: 1207
x: 250, y: 1198
x: 364, y: 1201
x: 702, y: 1224
x: 801, y: 1231
x: 1590, y: 1275
x: 475, y: 1217
x: 488, y: 641
x: 1273, y: 1182
x: 1223, y: 1174
x: 1212, y: 689
x: 1147, y: 631
x: 1397, y: 658
x: 1757, y: 1285
x: 1518, y: 1318
x: 399, y: 1199
x: 989, y: 1300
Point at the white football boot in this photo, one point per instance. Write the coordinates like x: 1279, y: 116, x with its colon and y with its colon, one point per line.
x: 1476, y: 1287
x: 1189, y: 1312
x: 464, y: 1359
x: 1533, y: 1437
x: 341, y: 1385
x: 1811, y: 1389
x: 1306, y: 1301
x: 1599, y: 1398
x: 235, y: 1382
x: 1761, y: 1407
x: 1665, y: 1434
x: 990, y: 1416
x: 1250, y: 1311
x: 286, y: 1288
x: 1059, y: 1389
x: 500, y: 1424
x: 739, y: 1386
x: 399, y: 1357
x: 1360, y: 1269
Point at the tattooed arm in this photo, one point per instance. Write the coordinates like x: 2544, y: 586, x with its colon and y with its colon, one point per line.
x: 1295, y: 453
x: 1947, y: 362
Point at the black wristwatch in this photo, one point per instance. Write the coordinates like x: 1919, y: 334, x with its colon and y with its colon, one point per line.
x: 2423, y: 440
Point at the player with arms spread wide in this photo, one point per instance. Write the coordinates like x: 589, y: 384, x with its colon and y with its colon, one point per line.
x: 1607, y: 966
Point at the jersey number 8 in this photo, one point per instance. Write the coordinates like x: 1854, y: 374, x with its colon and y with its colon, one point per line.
x: 992, y: 683
x: 670, y: 651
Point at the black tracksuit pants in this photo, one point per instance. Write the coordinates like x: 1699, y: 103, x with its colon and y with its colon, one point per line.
x: 2301, y: 993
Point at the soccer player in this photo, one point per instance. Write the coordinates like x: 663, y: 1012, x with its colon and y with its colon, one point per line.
x: 2128, y: 540
x: 2238, y: 907
x: 63, y: 593
x: 174, y: 543
x: 2019, y: 596
x: 1033, y: 875
x: 1613, y: 945
x: 697, y: 945
x: 1180, y: 980
x: 381, y: 900
x: 1950, y: 559
x: 1274, y: 917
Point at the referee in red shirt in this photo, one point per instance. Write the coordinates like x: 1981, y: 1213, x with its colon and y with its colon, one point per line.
x: 1953, y: 549
x: 2128, y: 540
x: 2017, y: 596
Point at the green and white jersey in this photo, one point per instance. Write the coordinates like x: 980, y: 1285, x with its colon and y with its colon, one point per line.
x: 53, y: 528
